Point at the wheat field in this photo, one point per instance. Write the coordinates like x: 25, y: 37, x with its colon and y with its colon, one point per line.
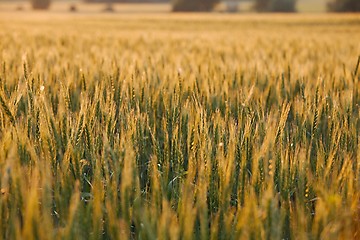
x: 199, y: 126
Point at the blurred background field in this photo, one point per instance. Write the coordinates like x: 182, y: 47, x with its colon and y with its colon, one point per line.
x: 309, y: 6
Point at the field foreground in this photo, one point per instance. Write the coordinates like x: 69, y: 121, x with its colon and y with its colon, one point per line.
x: 179, y: 126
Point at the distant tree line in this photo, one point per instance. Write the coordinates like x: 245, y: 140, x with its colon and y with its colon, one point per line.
x: 40, y: 4
x: 275, y: 5
x: 266, y: 5
x: 125, y: 1
x: 194, y: 5
x: 208, y: 5
x: 344, y: 6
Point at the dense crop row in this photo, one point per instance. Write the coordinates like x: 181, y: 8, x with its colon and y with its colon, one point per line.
x: 155, y: 128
